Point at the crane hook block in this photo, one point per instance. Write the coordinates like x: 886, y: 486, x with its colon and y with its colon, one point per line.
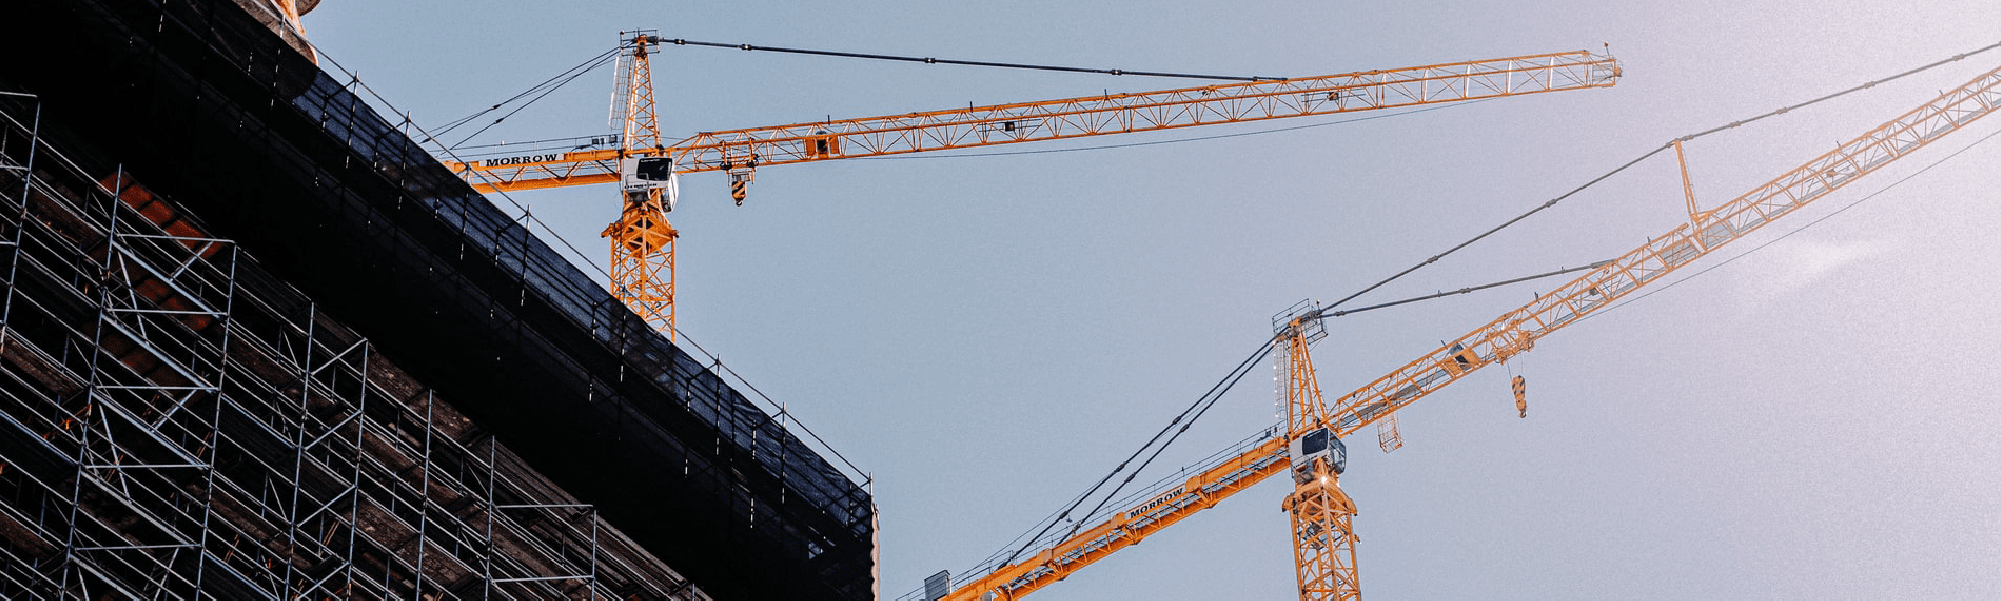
x: 1522, y: 395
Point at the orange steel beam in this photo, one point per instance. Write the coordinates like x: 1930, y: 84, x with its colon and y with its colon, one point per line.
x: 1323, y: 531
x: 1060, y: 119
x: 1517, y: 331
x: 1126, y: 528
x: 642, y: 241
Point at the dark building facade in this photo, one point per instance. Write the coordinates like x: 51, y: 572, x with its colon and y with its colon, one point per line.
x: 258, y: 344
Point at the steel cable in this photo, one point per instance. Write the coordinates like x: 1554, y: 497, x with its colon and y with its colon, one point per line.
x: 944, y: 61
x: 1193, y: 412
x: 566, y: 77
x: 1649, y: 154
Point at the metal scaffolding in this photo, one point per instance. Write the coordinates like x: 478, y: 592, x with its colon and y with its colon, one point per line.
x: 345, y: 402
x: 176, y: 423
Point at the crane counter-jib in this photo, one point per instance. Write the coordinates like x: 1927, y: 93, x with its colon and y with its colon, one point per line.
x: 1515, y: 332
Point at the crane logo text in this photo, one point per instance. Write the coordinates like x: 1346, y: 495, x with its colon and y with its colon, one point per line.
x: 533, y: 158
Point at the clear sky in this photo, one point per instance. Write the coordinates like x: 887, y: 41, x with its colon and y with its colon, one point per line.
x: 988, y: 335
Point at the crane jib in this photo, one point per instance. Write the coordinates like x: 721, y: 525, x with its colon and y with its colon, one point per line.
x: 1507, y: 336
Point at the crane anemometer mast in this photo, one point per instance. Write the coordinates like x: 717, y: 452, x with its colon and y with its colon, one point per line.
x: 647, y: 167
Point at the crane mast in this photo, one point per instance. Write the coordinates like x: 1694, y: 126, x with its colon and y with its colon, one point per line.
x: 1512, y: 333
x: 1323, y: 529
x: 643, y: 243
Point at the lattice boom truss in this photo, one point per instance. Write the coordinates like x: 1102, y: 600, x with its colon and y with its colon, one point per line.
x: 1516, y: 331
x: 168, y: 432
x: 1067, y: 118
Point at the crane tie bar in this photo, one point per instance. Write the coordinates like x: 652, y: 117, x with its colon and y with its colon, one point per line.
x: 946, y: 61
x: 1323, y: 313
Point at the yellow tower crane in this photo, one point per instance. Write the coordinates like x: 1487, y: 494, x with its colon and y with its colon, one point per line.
x: 647, y: 167
x: 1309, y: 445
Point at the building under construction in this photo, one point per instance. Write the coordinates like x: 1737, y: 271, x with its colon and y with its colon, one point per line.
x: 259, y: 344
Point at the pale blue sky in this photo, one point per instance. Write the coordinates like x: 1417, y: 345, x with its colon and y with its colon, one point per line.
x: 989, y: 335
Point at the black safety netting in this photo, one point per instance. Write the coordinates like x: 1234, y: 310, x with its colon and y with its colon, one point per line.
x: 209, y: 107
x: 546, y: 273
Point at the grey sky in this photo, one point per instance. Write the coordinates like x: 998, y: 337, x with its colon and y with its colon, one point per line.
x: 989, y: 335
